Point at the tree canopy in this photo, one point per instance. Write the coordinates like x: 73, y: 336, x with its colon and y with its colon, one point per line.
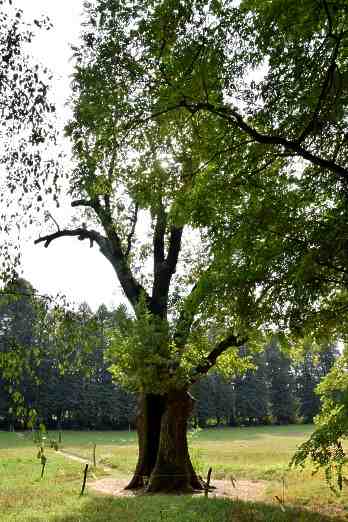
x: 219, y: 130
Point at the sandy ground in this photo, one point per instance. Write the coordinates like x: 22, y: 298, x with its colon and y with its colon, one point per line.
x: 243, y: 489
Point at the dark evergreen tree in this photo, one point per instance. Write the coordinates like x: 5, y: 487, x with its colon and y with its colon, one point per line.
x: 309, y: 372
x: 214, y: 397
x: 223, y: 398
x: 4, y: 405
x: 251, y: 403
x: 281, y: 385
x: 204, y: 408
x: 307, y: 377
x: 71, y: 386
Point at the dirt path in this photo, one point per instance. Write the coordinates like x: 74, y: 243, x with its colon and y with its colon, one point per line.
x: 71, y: 456
x: 77, y: 458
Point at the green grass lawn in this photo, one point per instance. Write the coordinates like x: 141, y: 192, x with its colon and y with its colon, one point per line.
x: 250, y: 453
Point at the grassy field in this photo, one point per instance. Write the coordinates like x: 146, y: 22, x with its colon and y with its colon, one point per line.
x: 246, y: 453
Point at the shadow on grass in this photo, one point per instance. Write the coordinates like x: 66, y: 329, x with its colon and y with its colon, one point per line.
x: 182, y: 509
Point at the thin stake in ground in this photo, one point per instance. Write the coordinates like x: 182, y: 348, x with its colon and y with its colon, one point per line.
x: 94, y: 456
x: 43, y: 463
x: 84, y: 480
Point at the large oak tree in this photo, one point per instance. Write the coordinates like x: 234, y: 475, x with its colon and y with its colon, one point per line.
x: 191, y: 121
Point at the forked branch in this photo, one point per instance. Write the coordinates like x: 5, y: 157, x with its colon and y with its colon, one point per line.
x: 229, y: 342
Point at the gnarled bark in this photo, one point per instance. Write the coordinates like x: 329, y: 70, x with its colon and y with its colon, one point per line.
x: 173, y: 470
x: 164, y: 463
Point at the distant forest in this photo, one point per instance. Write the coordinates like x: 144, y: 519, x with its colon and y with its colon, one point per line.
x: 71, y: 387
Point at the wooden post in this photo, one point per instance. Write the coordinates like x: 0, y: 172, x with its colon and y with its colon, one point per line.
x: 94, y: 458
x: 207, y: 484
x: 84, y: 480
x: 43, y: 463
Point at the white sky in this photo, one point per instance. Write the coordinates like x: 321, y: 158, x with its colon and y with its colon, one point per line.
x: 67, y: 266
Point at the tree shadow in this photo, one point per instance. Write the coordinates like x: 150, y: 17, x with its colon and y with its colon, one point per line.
x: 160, y: 508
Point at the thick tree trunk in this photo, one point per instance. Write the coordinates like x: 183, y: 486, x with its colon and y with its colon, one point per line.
x: 164, y: 463
x: 150, y: 410
x: 173, y: 471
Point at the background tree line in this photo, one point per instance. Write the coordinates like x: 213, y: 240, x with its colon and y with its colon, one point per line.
x: 278, y: 390
x: 62, y: 375
x: 81, y: 394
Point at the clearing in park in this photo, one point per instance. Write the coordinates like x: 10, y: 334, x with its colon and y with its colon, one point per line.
x: 250, y: 475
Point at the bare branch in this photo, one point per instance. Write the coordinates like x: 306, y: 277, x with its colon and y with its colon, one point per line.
x: 80, y: 233
x: 229, y: 342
